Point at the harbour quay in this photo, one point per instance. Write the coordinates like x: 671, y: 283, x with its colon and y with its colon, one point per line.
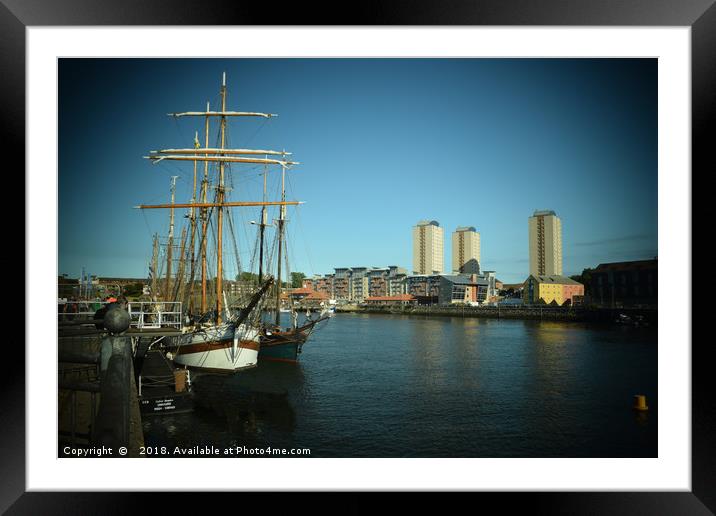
x: 636, y: 316
x: 108, y: 380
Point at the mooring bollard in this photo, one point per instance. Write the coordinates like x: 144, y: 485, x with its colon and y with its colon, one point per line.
x: 112, y: 423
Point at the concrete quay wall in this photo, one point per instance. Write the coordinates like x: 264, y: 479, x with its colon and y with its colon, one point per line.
x: 591, y: 314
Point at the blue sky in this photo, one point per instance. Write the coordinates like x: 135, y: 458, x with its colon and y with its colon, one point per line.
x: 383, y: 143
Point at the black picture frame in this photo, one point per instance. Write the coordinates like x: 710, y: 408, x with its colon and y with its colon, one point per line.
x: 700, y: 15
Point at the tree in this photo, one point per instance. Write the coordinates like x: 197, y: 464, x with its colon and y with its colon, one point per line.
x: 247, y: 276
x: 297, y: 279
x: 133, y: 289
x: 585, y: 279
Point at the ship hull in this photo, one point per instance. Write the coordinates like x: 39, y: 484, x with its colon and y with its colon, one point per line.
x: 279, y: 346
x: 285, y: 346
x: 212, y: 349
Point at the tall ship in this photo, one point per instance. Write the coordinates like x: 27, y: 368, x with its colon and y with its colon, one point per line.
x: 227, y: 326
x: 281, y: 344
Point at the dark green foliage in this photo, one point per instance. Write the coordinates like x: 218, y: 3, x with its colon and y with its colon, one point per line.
x: 133, y: 290
x: 585, y: 279
x: 247, y: 276
x: 297, y: 279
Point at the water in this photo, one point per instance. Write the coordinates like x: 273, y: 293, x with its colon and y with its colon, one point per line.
x: 396, y: 386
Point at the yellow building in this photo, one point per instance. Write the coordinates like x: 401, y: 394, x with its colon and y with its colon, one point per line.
x: 551, y: 288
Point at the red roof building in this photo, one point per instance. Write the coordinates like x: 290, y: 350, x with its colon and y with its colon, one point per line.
x: 308, y: 296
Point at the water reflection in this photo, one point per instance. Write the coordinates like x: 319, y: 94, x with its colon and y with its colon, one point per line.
x: 641, y: 418
x: 394, y: 386
x: 251, y: 401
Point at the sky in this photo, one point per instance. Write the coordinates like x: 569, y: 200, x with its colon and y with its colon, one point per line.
x: 382, y: 144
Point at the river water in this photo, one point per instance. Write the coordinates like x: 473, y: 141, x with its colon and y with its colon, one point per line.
x: 397, y: 386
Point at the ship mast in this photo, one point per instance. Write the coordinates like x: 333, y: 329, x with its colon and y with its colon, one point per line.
x: 155, y: 252
x: 167, y: 288
x: 222, y: 155
x: 282, y: 216
x: 262, y: 227
x: 204, y: 219
x: 220, y: 199
x: 182, y: 263
x: 192, y: 244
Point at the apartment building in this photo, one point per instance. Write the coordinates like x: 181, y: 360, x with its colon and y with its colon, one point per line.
x: 428, y: 243
x: 466, y: 251
x: 397, y: 280
x: 342, y: 284
x: 545, y: 243
x: 378, y: 282
x: 358, y: 284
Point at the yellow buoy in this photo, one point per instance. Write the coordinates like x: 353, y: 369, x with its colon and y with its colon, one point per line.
x: 640, y: 402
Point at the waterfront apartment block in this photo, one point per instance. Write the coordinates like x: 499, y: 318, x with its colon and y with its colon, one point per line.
x: 466, y: 251
x: 428, y: 242
x: 625, y: 284
x: 559, y: 289
x: 392, y: 284
x: 342, y: 284
x: 397, y: 280
x: 378, y: 282
x: 324, y: 285
x: 358, y: 284
x: 545, y: 242
x: 424, y: 288
x: 387, y: 281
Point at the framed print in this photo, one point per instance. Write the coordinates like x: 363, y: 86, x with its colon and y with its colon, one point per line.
x: 390, y: 109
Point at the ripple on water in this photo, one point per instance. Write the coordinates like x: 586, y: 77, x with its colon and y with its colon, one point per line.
x: 392, y: 386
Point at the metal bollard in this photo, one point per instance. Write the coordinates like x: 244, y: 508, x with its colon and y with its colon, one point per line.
x: 111, y: 427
